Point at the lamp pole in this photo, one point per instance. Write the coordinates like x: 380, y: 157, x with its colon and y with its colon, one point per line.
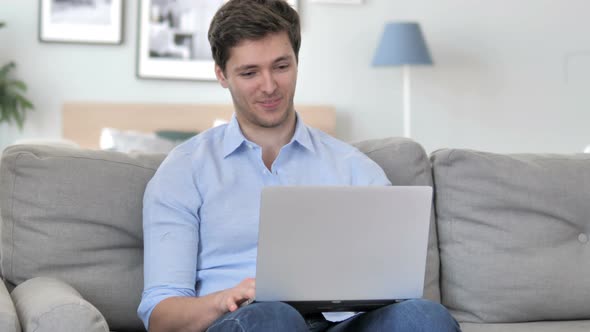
x: 407, y: 116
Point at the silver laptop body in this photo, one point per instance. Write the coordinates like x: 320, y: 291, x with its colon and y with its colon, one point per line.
x: 342, y: 248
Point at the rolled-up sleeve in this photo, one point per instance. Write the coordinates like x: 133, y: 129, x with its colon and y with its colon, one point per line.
x: 171, y: 234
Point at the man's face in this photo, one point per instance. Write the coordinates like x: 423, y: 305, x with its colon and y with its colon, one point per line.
x: 261, y: 76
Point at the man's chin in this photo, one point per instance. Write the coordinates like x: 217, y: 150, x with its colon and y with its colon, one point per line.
x: 269, y: 124
x: 276, y: 119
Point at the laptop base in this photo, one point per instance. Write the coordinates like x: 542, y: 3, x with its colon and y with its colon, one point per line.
x: 310, y: 307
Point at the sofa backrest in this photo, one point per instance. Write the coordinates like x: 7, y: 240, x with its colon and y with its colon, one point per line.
x: 405, y: 162
x: 513, y: 235
x: 75, y: 215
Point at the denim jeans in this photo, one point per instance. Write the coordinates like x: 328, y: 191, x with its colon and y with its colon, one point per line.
x: 411, y: 315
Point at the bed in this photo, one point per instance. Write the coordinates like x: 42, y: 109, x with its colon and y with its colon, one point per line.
x: 83, y: 122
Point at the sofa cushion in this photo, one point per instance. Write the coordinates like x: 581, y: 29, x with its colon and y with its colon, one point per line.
x: 513, y: 233
x: 405, y: 163
x: 75, y: 215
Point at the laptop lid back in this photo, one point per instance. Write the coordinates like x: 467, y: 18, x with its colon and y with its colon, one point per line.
x: 342, y: 244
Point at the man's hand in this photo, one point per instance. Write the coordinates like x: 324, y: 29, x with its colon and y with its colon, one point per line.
x: 190, y: 313
x: 231, y: 298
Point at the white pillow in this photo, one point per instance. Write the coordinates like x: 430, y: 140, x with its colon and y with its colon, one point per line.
x: 133, y: 141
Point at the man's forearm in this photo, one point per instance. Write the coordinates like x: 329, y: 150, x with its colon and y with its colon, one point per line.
x: 185, y: 314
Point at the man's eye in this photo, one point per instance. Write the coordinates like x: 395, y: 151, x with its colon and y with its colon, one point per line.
x: 247, y: 74
x: 283, y: 67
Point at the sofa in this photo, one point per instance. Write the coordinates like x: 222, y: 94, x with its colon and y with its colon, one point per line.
x: 508, y: 247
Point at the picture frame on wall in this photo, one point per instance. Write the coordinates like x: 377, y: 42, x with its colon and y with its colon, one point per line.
x: 81, y: 21
x: 172, y: 40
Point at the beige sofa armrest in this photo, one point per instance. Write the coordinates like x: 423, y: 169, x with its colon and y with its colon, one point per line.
x: 8, y: 317
x: 48, y: 305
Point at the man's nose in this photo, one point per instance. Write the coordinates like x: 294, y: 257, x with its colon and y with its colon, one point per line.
x: 269, y: 84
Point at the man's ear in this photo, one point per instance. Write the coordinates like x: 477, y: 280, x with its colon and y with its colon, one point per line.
x: 220, y: 76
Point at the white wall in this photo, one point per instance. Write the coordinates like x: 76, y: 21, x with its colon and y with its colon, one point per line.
x: 498, y: 84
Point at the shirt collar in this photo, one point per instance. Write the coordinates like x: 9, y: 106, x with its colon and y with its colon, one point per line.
x: 233, y: 136
x: 302, y: 135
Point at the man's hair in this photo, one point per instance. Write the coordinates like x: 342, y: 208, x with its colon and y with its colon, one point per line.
x: 239, y: 20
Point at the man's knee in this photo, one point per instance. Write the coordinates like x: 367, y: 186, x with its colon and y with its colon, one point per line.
x: 268, y: 316
x: 426, y: 315
x: 276, y: 311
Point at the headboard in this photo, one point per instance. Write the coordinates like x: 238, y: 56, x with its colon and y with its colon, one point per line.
x: 82, y: 122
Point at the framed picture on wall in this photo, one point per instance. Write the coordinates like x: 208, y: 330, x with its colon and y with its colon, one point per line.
x: 172, y: 39
x: 81, y: 21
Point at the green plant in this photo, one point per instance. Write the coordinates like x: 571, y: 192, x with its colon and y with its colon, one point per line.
x: 13, y: 103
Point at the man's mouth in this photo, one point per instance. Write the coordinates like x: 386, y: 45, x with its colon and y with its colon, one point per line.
x: 270, y: 103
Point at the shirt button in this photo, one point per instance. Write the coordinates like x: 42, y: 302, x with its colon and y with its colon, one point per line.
x: 583, y: 238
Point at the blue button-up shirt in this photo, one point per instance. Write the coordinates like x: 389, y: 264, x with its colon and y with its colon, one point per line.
x: 201, y: 208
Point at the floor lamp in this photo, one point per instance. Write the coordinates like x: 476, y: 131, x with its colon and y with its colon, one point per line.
x: 402, y: 44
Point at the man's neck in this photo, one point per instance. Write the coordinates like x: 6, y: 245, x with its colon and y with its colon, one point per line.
x: 270, y: 140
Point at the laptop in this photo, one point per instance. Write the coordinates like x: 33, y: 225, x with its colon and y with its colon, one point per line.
x: 342, y: 248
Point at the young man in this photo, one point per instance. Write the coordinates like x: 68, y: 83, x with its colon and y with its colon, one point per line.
x: 201, y: 207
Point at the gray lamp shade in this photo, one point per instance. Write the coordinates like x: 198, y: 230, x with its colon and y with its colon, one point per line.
x: 402, y: 43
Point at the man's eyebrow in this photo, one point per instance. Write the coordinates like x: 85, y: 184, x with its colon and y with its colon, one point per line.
x: 251, y: 66
x: 283, y: 58
x: 245, y: 67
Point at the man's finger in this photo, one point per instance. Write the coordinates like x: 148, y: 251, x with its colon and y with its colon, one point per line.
x: 231, y: 304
